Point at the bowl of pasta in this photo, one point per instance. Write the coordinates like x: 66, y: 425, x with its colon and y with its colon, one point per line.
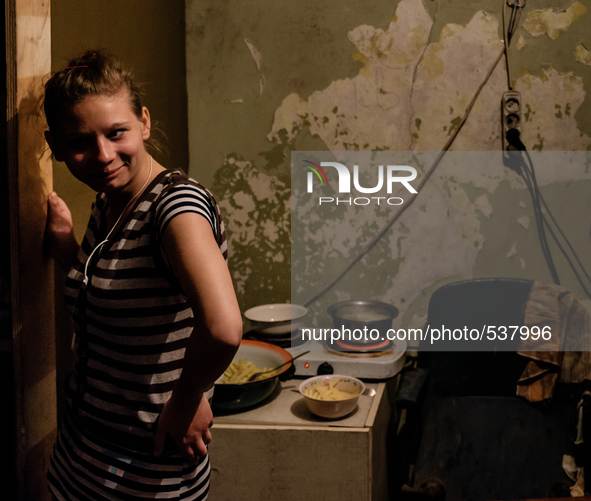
x: 332, y: 396
x: 233, y: 389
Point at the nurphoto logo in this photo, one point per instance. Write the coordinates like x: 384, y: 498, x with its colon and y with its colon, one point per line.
x: 344, y: 182
x: 393, y: 175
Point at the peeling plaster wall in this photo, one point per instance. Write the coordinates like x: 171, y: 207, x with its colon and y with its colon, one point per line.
x: 268, y: 80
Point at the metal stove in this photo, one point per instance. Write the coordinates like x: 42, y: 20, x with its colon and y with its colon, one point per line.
x: 322, y: 359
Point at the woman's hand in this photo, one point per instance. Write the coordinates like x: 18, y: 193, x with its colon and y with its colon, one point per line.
x: 189, y: 429
x: 59, y: 232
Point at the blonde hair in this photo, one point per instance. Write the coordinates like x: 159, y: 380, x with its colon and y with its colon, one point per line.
x: 91, y: 74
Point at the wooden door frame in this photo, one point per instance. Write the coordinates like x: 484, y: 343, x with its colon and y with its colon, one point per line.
x: 28, y: 61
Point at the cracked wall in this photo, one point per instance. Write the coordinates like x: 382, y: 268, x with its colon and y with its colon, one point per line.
x: 266, y: 81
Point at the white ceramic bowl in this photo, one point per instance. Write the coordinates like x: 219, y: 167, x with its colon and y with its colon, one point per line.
x: 333, y: 409
x: 280, y: 319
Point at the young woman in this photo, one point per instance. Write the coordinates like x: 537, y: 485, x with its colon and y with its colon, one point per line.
x: 156, y: 316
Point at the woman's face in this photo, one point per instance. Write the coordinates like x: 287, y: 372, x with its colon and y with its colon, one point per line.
x: 101, y: 140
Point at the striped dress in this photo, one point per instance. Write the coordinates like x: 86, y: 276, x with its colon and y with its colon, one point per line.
x: 132, y: 325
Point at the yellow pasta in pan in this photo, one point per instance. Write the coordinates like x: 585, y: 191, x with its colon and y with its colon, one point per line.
x: 240, y: 371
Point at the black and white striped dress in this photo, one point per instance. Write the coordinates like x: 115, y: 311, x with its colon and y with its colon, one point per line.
x: 132, y: 324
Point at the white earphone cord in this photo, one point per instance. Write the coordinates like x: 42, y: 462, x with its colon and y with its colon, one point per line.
x: 85, y: 280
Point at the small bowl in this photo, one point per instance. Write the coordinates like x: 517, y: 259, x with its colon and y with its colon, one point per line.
x: 235, y: 397
x: 280, y: 319
x: 333, y: 409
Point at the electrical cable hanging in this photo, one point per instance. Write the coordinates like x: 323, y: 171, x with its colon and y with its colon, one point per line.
x: 506, y: 43
x: 509, y: 30
x: 424, y: 180
x: 561, y: 232
x: 527, y: 172
x: 514, y: 141
x: 538, y: 216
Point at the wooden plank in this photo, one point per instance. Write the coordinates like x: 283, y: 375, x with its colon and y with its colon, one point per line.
x: 13, y: 190
x: 30, y: 179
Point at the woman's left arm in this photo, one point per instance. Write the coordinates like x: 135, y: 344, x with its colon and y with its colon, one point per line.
x: 203, y: 274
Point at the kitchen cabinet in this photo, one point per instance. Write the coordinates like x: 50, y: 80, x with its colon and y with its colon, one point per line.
x: 280, y: 451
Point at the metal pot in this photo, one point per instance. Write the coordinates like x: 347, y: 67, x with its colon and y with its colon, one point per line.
x: 360, y: 315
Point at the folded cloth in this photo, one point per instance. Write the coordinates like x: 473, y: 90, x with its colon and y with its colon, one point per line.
x: 566, y: 355
x: 576, y: 474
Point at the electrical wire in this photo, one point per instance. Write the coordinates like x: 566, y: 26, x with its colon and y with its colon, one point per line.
x: 559, y: 229
x: 515, y: 143
x: 527, y: 172
x: 565, y: 239
x: 513, y: 139
x: 424, y: 180
x: 506, y: 38
x: 539, y: 218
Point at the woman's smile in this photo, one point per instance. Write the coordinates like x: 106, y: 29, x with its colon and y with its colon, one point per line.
x: 111, y: 173
x: 102, y: 144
